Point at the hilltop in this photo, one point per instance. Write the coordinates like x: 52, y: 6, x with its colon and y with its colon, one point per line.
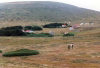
x: 45, y: 11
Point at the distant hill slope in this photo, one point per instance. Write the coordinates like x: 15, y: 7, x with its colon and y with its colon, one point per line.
x: 45, y: 11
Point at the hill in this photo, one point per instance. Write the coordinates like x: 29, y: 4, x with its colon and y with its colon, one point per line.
x: 45, y: 11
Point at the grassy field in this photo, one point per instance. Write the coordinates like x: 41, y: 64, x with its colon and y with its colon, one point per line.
x: 53, y: 50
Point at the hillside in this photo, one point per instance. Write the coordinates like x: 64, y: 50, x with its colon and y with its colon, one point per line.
x: 45, y: 11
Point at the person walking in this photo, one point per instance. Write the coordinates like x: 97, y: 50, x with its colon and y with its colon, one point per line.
x: 68, y: 47
x: 72, y: 45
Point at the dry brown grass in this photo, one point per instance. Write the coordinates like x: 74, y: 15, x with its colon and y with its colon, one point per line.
x: 23, y: 23
x: 53, y: 51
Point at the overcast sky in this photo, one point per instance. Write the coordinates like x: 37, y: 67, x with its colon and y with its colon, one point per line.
x: 90, y: 4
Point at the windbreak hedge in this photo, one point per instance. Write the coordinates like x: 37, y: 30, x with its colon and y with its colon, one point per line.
x: 34, y: 28
x: 12, y: 31
x: 13, y: 27
x: 69, y: 34
x: 40, y: 35
x: 21, y: 52
x: 53, y: 25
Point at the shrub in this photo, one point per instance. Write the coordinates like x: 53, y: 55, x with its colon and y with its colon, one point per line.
x: 21, y: 52
x: 69, y: 34
x: 53, y: 25
x: 0, y: 51
x: 13, y: 27
x: 34, y: 28
x: 12, y: 31
x: 28, y: 27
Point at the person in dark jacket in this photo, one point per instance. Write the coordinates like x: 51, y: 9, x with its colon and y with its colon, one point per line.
x: 72, y: 45
x: 69, y: 47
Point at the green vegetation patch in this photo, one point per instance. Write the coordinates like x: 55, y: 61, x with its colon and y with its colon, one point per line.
x: 0, y: 51
x: 40, y: 35
x: 34, y: 28
x: 21, y: 52
x: 54, y: 25
x: 69, y: 34
x: 12, y: 31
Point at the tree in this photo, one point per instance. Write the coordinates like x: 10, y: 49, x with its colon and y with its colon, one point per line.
x: 12, y: 31
x: 34, y: 28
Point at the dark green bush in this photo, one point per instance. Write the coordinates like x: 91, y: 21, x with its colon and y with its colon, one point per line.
x: 69, y: 34
x: 21, y: 52
x: 11, y: 31
x: 28, y: 27
x: 0, y: 51
x: 53, y: 25
x: 40, y: 35
x: 34, y: 28
x: 12, y: 27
